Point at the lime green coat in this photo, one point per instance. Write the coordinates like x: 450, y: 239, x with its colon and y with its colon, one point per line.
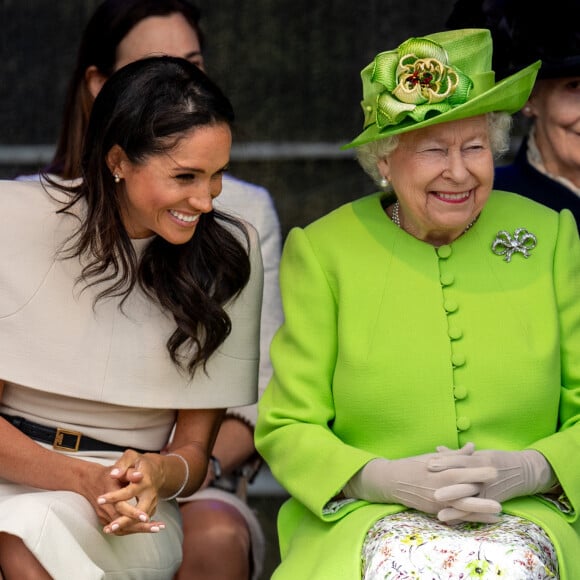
x: 391, y: 347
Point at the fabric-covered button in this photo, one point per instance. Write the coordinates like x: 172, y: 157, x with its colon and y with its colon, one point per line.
x: 459, y: 392
x: 463, y: 423
x: 455, y: 332
x: 444, y: 251
x: 447, y: 278
x: 458, y: 359
x: 450, y: 305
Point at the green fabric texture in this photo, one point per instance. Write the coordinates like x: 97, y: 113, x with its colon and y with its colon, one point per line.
x: 391, y: 347
x: 433, y: 79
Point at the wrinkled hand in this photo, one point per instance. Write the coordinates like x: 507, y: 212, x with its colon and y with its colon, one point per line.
x: 411, y: 483
x: 139, y: 478
x: 518, y: 473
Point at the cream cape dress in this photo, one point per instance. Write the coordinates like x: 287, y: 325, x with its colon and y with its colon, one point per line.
x: 105, y: 373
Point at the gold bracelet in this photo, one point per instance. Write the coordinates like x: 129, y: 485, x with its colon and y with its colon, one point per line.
x: 185, y: 480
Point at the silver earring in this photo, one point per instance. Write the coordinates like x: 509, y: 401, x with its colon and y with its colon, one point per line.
x: 384, y: 182
x: 117, y: 178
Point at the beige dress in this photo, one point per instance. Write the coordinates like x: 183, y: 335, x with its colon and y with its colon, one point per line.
x: 105, y: 373
x: 61, y: 527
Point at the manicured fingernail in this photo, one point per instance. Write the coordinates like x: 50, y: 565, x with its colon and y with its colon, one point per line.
x: 114, y: 527
x: 115, y: 471
x: 143, y: 517
x: 101, y: 500
x: 154, y: 529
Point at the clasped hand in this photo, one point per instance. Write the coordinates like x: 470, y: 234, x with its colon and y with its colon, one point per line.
x: 518, y: 473
x: 462, y: 485
x: 130, y: 507
x: 412, y: 483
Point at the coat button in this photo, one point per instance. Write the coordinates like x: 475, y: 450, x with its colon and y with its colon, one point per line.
x: 444, y: 251
x: 458, y: 359
x: 447, y: 279
x: 463, y: 423
x: 450, y: 305
x: 455, y: 333
x: 459, y: 392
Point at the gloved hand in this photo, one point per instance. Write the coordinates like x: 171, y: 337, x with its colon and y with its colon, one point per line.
x: 463, y: 508
x: 409, y: 482
x: 519, y: 473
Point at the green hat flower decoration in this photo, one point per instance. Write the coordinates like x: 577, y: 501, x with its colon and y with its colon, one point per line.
x: 441, y: 77
x: 413, y: 81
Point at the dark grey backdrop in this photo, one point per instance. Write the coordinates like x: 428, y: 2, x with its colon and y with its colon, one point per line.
x: 290, y: 67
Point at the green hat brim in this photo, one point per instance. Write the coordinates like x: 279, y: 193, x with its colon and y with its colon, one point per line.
x: 509, y: 95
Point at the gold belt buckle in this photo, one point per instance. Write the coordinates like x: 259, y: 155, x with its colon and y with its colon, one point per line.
x: 58, y: 442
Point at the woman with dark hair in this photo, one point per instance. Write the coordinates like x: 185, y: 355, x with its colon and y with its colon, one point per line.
x: 222, y: 534
x: 97, y: 59
x: 128, y: 310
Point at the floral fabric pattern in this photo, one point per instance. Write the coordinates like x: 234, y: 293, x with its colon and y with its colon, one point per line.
x: 412, y: 545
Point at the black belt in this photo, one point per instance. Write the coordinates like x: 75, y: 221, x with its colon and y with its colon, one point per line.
x: 63, y: 439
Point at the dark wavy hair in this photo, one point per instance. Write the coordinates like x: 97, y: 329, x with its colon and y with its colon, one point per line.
x: 146, y: 108
x: 108, y: 26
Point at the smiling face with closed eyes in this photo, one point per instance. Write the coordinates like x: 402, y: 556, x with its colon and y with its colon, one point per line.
x: 166, y: 193
x: 442, y: 176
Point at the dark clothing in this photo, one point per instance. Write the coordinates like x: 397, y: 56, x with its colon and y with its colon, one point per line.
x: 521, y: 177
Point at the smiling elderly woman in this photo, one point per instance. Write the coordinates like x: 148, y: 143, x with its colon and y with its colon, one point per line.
x: 424, y: 408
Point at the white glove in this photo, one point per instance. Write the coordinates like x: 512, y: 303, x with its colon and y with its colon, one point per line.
x: 454, y: 515
x: 518, y: 473
x: 409, y: 482
x: 466, y: 509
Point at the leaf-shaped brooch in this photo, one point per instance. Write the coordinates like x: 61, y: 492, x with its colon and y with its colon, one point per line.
x: 521, y: 242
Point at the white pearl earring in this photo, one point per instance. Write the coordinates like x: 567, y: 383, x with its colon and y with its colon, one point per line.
x: 384, y: 182
x: 117, y: 178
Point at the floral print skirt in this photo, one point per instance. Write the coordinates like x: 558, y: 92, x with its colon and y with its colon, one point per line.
x: 413, y: 545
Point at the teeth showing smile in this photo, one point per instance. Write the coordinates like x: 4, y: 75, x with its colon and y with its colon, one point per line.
x: 454, y: 196
x: 184, y: 217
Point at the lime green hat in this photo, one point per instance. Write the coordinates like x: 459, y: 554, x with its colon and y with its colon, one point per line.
x: 441, y: 77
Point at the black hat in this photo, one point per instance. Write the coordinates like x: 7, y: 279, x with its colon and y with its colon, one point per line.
x: 523, y: 32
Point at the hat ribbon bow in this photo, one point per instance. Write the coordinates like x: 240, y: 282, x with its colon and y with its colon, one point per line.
x: 413, y: 80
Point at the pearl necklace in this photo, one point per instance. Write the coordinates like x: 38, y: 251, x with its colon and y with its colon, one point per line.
x: 397, y: 219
